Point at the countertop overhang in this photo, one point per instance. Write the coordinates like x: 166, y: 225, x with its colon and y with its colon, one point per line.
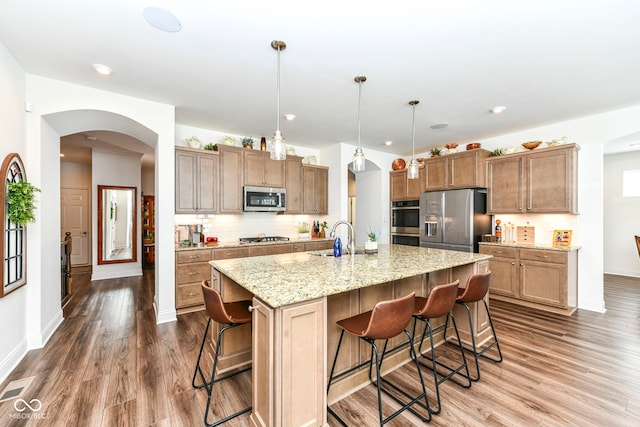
x: 286, y: 279
x: 532, y: 246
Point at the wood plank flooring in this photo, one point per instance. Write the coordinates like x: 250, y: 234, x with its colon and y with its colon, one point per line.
x: 109, y: 364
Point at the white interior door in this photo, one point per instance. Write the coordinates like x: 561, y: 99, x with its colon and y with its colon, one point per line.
x: 74, y: 218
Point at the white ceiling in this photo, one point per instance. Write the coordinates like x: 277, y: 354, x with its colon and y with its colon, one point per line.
x: 546, y: 61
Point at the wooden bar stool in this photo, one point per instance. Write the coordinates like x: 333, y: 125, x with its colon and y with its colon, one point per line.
x: 476, y: 289
x: 439, y: 303
x: 231, y: 315
x: 387, y: 320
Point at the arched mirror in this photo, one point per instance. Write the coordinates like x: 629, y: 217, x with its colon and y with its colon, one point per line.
x: 117, y: 242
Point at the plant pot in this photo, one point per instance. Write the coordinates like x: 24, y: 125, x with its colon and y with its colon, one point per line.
x: 303, y: 235
x: 370, y: 247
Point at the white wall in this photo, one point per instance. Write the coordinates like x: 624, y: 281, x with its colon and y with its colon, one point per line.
x: 13, y: 307
x: 118, y: 169
x: 621, y: 217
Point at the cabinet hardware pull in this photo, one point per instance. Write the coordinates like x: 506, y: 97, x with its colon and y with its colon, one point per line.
x: 194, y: 256
x: 513, y: 263
x: 193, y: 294
x: 193, y: 273
x: 541, y: 256
x: 498, y: 252
x: 250, y: 308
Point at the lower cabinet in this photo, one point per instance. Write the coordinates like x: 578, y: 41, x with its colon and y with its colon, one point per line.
x: 542, y: 278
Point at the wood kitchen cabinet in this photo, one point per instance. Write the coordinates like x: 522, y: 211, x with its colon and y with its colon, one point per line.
x: 231, y: 177
x: 315, y: 183
x: 260, y: 170
x: 196, y: 182
x: 192, y: 267
x: 541, y: 278
x: 313, y: 246
x: 542, y: 181
x: 293, y: 184
x: 457, y: 170
x: 401, y: 188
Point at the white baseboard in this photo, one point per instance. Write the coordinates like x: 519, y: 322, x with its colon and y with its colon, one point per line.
x: 9, y: 363
x: 117, y: 275
x: 164, y: 316
x: 592, y: 305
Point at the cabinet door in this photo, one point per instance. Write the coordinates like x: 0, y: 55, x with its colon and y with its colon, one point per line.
x: 293, y: 184
x: 315, y: 196
x: 274, y: 172
x: 398, y: 185
x: 505, y: 194
x: 415, y: 187
x: 263, y: 318
x: 550, y: 182
x: 207, y: 179
x: 543, y: 282
x: 231, y: 175
x: 322, y: 191
x: 185, y: 182
x: 254, y: 162
x: 504, y: 276
x: 466, y: 170
x: 436, y: 173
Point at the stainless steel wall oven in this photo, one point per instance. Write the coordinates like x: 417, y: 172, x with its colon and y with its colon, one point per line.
x: 405, y: 222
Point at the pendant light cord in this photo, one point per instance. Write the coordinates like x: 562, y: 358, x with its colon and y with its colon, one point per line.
x: 359, y: 104
x: 413, y: 134
x: 278, y: 95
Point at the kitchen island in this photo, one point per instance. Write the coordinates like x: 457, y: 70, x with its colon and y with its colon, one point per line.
x: 298, y: 297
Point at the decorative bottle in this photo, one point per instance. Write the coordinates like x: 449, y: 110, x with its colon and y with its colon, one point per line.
x: 498, y: 231
x: 263, y: 144
x: 337, y: 247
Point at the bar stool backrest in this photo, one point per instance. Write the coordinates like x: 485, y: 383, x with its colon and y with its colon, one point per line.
x: 440, y: 301
x: 477, y: 288
x: 214, y: 305
x: 390, y: 318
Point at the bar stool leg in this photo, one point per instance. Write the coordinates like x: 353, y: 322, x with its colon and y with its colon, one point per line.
x: 435, y: 363
x: 208, y: 385
x: 474, y: 349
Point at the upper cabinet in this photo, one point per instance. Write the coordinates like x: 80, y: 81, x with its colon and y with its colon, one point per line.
x: 293, y: 184
x: 402, y: 188
x: 315, y: 183
x: 260, y: 170
x: 231, y: 176
x: 196, y: 183
x: 458, y: 170
x: 539, y: 181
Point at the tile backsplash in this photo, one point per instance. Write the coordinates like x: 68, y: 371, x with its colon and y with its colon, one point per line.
x: 229, y: 228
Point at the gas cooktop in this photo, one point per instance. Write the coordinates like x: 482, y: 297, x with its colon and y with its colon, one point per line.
x: 263, y: 239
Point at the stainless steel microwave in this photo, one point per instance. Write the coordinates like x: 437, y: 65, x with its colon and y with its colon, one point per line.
x: 264, y: 199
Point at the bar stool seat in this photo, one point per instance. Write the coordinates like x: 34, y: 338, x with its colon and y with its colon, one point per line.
x: 231, y: 315
x: 439, y: 303
x: 387, y: 320
x: 476, y: 290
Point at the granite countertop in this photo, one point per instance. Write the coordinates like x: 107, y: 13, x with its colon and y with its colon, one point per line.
x: 239, y: 244
x: 285, y: 279
x: 532, y: 246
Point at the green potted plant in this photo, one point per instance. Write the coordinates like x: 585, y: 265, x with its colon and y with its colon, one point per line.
x: 303, y: 230
x: 211, y: 147
x: 371, y: 245
x: 247, y: 142
x: 21, y: 202
x: 435, y: 152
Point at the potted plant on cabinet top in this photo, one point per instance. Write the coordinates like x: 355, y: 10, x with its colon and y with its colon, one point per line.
x: 435, y: 152
x: 21, y: 202
x: 247, y: 142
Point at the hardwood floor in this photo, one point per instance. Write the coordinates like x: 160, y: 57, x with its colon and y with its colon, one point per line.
x: 109, y: 364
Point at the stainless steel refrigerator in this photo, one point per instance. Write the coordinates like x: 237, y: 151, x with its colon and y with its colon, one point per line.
x: 453, y: 219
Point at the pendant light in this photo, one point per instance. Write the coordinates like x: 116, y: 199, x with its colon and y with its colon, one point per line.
x: 278, y: 147
x: 412, y: 169
x: 358, y: 156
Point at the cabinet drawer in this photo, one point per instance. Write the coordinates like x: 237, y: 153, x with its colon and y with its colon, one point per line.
x: 230, y: 253
x: 193, y: 256
x: 498, y: 251
x: 190, y: 273
x: 557, y: 257
x: 318, y: 246
x: 270, y: 250
x: 190, y: 294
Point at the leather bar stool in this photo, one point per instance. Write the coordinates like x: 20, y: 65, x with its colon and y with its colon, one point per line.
x: 476, y: 289
x: 440, y: 302
x: 229, y: 315
x: 387, y: 320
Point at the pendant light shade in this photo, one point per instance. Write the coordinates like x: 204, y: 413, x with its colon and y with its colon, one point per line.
x: 412, y: 169
x: 358, y: 156
x: 278, y: 147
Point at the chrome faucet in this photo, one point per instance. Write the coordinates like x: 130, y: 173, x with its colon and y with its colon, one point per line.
x: 351, y: 244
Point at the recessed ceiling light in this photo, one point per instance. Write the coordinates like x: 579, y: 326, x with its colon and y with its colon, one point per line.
x: 388, y: 143
x: 162, y: 19
x: 499, y: 109
x: 102, y: 69
x: 439, y: 126
x: 289, y: 116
